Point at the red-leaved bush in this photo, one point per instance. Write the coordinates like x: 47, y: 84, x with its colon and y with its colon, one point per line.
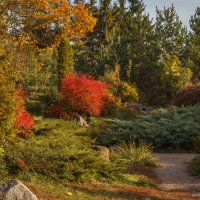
x: 24, y: 121
x: 84, y: 94
x: 188, y: 95
x: 58, y: 111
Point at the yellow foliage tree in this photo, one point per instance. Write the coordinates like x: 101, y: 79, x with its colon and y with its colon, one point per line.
x: 172, y: 77
x: 43, y: 22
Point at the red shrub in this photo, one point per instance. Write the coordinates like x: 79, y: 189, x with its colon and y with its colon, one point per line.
x: 24, y: 121
x: 188, y: 95
x: 109, y: 103
x: 56, y: 111
x: 83, y: 94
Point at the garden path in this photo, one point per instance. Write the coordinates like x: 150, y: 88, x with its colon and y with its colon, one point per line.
x: 174, y: 173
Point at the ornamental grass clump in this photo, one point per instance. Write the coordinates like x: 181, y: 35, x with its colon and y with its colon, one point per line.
x: 132, y: 154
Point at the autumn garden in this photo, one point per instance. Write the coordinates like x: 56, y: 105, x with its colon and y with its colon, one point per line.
x: 134, y: 80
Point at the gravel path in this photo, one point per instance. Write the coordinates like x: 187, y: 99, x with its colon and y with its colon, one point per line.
x: 174, y: 174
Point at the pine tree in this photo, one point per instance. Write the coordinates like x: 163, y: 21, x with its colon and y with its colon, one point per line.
x: 65, y: 58
x: 128, y: 41
x: 193, y: 47
x: 91, y: 47
x: 139, y: 35
x: 79, y: 1
x: 170, y: 34
x: 87, y: 48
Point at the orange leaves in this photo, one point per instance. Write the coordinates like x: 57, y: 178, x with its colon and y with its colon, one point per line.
x: 46, y: 20
x: 82, y: 17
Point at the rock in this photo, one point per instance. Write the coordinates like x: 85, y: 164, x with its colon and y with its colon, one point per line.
x: 81, y: 121
x: 15, y: 190
x: 104, y: 151
x: 137, y: 106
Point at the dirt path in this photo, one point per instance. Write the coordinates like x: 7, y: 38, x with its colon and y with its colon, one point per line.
x: 174, y: 174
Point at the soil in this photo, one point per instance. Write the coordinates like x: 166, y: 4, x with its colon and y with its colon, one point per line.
x: 174, y: 173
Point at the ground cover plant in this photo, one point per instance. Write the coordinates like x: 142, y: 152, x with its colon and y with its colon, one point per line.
x: 195, y: 166
x: 55, y: 151
x: 170, y: 129
x: 59, y: 152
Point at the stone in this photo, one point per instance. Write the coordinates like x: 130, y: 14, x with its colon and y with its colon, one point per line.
x: 104, y: 151
x: 137, y: 106
x: 81, y: 121
x: 15, y: 190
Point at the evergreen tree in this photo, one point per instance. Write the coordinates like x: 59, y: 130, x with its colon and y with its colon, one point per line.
x: 194, y: 46
x: 139, y: 35
x: 136, y: 6
x: 91, y: 47
x: 170, y: 35
x: 114, y: 52
x: 79, y: 1
x: 65, y: 58
x: 128, y: 43
x: 87, y: 48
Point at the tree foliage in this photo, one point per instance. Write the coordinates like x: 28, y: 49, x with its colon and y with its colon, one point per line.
x: 189, y: 94
x: 65, y: 58
x: 194, y: 46
x: 43, y: 21
x: 170, y: 34
x: 172, y: 78
x: 24, y: 121
x: 9, y: 68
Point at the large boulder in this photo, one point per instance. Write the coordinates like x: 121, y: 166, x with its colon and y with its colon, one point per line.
x: 103, y: 151
x: 15, y: 190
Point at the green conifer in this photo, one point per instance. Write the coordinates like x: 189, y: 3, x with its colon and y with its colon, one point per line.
x: 194, y: 46
x: 65, y: 58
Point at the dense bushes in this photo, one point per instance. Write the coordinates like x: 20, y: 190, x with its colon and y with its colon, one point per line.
x: 166, y: 129
x: 188, y: 95
x: 172, y: 77
x: 24, y: 121
x: 127, y: 92
x: 84, y: 94
x: 58, y: 153
x: 7, y: 105
x: 8, y: 74
x: 195, y: 167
